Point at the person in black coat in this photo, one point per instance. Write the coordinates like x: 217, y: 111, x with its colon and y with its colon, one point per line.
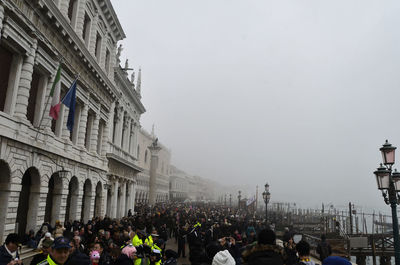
x: 10, y: 245
x: 182, y: 232
x: 290, y: 252
x: 76, y: 257
x: 324, y: 249
x: 264, y: 251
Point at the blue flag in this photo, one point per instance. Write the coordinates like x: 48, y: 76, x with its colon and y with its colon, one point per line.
x: 69, y: 100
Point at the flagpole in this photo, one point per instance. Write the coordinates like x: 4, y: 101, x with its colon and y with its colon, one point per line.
x: 45, y: 107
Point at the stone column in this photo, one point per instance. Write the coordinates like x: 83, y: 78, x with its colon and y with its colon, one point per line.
x: 128, y: 198
x: 108, y: 202
x: 113, y: 63
x: 73, y: 208
x: 103, y: 210
x: 154, y: 149
x: 125, y: 143
x: 79, y: 198
x: 82, y: 125
x: 118, y: 129
x: 1, y: 18
x: 88, y: 206
x: 33, y: 214
x: 80, y: 17
x: 114, y: 199
x: 25, y: 82
x: 121, y: 210
x: 93, y: 34
x: 56, y: 207
x: 131, y: 138
x: 102, y: 60
x: 92, y: 200
x: 77, y: 122
x: 94, y: 133
x: 133, y: 196
x: 110, y: 124
x: 41, y: 207
x: 4, y: 197
x: 135, y: 140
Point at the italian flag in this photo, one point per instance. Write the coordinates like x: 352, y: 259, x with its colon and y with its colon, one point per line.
x: 55, y: 94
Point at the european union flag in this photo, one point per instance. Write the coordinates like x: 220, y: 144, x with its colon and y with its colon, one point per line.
x: 69, y: 100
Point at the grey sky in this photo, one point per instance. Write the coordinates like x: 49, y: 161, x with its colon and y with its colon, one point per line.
x: 297, y: 93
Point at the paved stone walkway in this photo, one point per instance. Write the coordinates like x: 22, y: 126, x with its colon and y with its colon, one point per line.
x: 174, y: 246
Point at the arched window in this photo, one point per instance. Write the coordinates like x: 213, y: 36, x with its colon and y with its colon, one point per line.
x: 145, y: 157
x: 138, y: 152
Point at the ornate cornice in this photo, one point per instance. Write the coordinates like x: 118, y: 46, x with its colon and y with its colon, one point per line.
x: 77, y: 44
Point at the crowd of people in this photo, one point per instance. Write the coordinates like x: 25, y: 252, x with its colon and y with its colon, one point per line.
x: 213, y: 235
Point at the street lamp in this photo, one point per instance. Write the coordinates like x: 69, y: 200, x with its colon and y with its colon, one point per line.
x: 389, y: 183
x: 267, y: 196
x: 239, y: 197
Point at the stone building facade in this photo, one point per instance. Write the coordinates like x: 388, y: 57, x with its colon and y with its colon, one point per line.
x: 183, y: 186
x: 143, y: 178
x: 47, y: 172
x: 178, y: 185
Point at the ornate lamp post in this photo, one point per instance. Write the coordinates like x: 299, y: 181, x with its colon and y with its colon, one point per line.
x: 389, y: 183
x: 239, y: 197
x: 230, y: 200
x: 267, y: 196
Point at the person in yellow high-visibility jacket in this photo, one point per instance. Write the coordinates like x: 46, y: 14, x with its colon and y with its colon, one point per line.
x: 151, y: 238
x: 157, y: 245
x: 136, y: 242
x: 155, y: 257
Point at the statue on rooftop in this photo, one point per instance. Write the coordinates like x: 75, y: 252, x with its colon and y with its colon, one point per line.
x: 119, y: 52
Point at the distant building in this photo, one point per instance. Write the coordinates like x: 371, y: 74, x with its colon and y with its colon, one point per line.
x: 178, y: 185
x: 193, y: 188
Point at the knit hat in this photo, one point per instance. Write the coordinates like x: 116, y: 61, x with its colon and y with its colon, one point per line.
x: 95, y: 255
x: 223, y: 258
x: 334, y: 260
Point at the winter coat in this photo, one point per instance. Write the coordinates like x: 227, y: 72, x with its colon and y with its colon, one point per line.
x: 123, y: 260
x: 58, y: 231
x: 5, y: 257
x: 263, y: 254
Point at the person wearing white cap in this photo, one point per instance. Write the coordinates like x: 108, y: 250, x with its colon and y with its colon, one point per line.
x: 47, y: 235
x: 155, y: 257
x: 223, y: 258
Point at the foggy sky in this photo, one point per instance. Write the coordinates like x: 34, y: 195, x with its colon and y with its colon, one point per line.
x: 299, y: 94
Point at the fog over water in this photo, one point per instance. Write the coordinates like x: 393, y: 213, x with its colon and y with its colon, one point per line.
x: 298, y: 93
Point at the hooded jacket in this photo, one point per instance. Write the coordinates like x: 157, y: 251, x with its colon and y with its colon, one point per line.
x: 263, y: 254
